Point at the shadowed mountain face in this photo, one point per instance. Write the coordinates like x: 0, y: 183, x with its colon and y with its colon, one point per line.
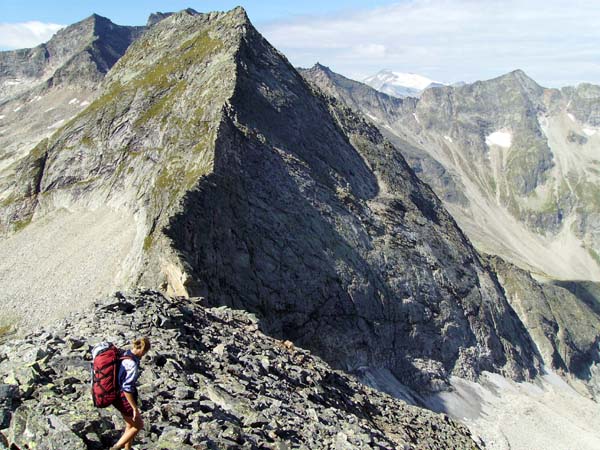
x: 245, y: 185
x: 324, y: 230
x: 516, y: 164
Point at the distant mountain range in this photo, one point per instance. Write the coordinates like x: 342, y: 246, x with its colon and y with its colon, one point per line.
x: 514, y: 162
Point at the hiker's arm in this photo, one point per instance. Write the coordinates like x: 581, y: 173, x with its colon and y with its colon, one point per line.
x: 128, y: 384
x: 131, y: 399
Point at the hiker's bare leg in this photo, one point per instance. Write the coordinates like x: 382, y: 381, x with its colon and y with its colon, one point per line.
x: 132, y: 428
x: 128, y: 444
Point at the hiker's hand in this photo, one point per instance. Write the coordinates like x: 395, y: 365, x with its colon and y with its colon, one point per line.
x: 136, y: 413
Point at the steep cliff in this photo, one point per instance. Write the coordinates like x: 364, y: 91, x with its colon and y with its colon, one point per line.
x: 563, y: 321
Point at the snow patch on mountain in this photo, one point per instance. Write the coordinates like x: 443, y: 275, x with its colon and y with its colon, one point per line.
x: 500, y: 138
x: 589, y: 131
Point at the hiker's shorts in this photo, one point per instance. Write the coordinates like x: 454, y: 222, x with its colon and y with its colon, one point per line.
x: 122, y: 404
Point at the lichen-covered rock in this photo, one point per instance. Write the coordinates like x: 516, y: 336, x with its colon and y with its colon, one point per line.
x: 211, y: 380
x: 30, y: 429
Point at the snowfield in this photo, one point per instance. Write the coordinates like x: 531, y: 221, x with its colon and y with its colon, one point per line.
x: 500, y: 138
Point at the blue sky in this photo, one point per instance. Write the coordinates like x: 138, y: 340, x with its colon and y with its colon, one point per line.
x: 554, y: 41
x: 132, y: 12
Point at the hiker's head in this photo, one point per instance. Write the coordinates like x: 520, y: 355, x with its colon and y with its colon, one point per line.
x: 140, y: 346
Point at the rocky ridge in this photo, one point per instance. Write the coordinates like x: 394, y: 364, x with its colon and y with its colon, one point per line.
x: 212, y: 380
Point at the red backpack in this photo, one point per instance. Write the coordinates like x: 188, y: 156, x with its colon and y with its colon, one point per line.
x: 105, y: 372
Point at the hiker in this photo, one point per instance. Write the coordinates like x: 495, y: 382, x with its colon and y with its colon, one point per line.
x: 127, y: 400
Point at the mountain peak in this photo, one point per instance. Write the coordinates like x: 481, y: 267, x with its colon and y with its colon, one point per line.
x: 97, y: 23
x: 96, y: 17
x: 518, y: 79
x: 318, y: 67
x: 518, y: 75
x: 239, y: 10
x: 400, y: 84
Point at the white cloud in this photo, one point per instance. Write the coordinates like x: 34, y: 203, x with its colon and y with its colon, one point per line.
x: 369, y: 50
x: 554, y: 41
x: 26, y: 34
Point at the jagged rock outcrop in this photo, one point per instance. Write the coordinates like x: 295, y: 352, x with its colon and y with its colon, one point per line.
x: 563, y: 320
x: 212, y: 380
x: 249, y: 187
x: 514, y: 163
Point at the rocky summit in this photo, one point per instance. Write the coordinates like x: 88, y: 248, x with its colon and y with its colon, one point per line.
x: 211, y: 381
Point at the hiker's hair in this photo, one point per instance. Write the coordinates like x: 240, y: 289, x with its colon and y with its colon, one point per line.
x: 142, y: 343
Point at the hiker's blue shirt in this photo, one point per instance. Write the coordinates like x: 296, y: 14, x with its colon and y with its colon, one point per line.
x: 129, y: 372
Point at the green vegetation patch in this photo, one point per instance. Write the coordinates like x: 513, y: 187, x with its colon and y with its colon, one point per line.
x: 21, y: 224
x: 594, y: 254
x: 161, y: 105
x: 589, y: 195
x: 87, y: 141
x: 114, y: 92
x: 167, y: 77
x: 12, y: 198
x: 148, y: 241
